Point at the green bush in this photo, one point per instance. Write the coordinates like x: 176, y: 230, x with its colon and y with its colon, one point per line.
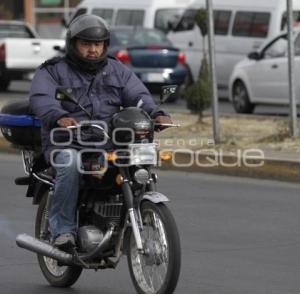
x: 198, y: 95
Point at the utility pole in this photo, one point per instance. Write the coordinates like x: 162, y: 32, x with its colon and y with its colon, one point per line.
x: 67, y: 10
x: 212, y: 62
x: 28, y: 11
x: 291, y: 54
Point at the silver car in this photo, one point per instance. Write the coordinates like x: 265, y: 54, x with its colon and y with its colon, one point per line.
x: 262, y: 78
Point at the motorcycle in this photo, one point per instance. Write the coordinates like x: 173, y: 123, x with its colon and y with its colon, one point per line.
x: 119, y: 210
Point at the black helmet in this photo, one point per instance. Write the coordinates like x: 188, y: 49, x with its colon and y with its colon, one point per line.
x: 91, y: 28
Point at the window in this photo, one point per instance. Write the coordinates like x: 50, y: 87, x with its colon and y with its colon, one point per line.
x: 139, y: 37
x: 80, y: 11
x: 106, y: 14
x: 277, y: 49
x: 187, y: 21
x: 251, y: 24
x: 221, y: 21
x: 297, y: 46
x: 130, y: 17
x: 166, y: 18
x: 296, y: 16
x: 14, y: 31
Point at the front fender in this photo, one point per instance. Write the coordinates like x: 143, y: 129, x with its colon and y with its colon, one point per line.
x: 155, y: 197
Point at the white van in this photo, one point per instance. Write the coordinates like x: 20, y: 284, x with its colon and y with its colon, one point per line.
x: 147, y: 13
x: 240, y: 26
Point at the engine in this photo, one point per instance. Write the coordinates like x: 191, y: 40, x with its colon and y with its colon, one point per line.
x: 108, y: 212
x: 105, y: 213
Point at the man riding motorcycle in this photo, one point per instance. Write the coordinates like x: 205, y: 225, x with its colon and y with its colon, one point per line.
x: 102, y: 85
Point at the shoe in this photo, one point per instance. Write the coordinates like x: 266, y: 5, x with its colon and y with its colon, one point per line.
x: 64, y: 241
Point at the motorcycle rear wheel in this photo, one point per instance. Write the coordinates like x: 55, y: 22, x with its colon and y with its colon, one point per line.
x: 156, y: 272
x: 56, y: 275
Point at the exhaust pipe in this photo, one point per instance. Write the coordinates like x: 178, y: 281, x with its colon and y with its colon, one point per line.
x: 32, y: 244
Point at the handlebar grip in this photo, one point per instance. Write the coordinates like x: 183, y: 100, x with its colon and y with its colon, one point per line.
x: 168, y: 125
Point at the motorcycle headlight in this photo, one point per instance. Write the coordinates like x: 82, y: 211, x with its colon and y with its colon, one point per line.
x: 143, y: 154
x: 142, y: 176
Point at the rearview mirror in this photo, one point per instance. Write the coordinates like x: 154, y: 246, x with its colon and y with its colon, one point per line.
x: 65, y: 94
x: 59, y: 49
x: 254, y: 55
x: 166, y: 92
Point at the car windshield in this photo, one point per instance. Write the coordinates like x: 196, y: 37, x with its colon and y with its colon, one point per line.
x: 14, y: 31
x: 165, y: 17
x: 138, y: 38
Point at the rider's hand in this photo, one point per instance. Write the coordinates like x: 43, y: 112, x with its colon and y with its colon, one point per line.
x: 162, y: 119
x: 66, y: 122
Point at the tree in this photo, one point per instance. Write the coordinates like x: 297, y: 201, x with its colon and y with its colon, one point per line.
x: 198, y: 95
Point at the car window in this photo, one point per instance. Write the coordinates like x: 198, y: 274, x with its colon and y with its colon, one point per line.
x: 165, y: 17
x: 277, y: 49
x: 297, y: 45
x: 296, y: 17
x: 130, y: 17
x: 251, y: 24
x: 14, y: 31
x: 187, y: 21
x: 106, y: 14
x: 139, y: 38
x: 221, y: 21
x: 80, y: 11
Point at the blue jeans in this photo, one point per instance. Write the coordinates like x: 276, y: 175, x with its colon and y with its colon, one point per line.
x: 62, y: 214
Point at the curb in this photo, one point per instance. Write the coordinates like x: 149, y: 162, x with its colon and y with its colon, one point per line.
x: 266, y: 168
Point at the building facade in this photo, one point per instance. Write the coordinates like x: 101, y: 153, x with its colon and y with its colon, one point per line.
x: 45, y: 15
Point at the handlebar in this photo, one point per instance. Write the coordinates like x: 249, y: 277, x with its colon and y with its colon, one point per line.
x: 167, y: 125
x: 90, y: 125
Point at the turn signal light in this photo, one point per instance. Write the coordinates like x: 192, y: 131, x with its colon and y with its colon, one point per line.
x: 111, y: 156
x: 119, y: 179
x: 165, y: 155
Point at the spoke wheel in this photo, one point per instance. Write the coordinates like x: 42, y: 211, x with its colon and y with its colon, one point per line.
x: 240, y: 99
x: 157, y: 270
x: 56, y: 275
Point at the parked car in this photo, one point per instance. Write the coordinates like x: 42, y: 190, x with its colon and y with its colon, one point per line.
x: 22, y: 51
x: 150, y: 55
x: 262, y: 78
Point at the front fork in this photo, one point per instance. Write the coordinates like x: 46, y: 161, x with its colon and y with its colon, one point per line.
x: 45, y: 225
x: 128, y: 196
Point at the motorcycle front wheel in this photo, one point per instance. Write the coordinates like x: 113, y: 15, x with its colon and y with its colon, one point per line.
x: 57, y: 275
x: 155, y: 271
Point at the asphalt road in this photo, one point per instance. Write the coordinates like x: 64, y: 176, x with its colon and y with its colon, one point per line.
x: 19, y: 91
x: 239, y: 236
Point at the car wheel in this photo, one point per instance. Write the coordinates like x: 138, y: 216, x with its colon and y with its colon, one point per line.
x: 240, y: 99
